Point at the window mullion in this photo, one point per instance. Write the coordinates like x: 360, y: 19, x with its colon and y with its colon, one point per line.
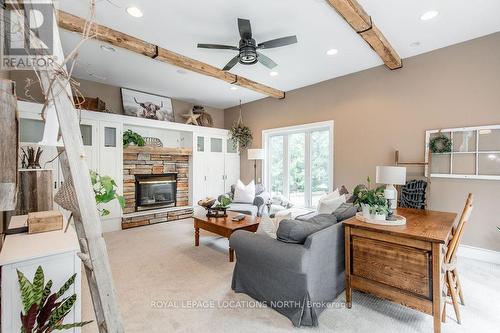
x: 286, y: 162
x: 308, y: 173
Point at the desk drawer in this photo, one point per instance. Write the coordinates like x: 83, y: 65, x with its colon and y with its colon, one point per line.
x: 395, y: 265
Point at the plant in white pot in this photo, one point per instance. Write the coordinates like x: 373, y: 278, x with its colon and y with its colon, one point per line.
x: 379, y: 212
x: 367, y: 198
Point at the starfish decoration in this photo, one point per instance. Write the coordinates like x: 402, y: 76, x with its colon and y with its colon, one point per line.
x: 191, y: 118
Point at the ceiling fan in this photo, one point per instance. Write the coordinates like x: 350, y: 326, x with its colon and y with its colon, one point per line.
x: 247, y: 50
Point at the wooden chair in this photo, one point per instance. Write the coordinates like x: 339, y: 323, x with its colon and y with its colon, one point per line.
x: 452, y: 280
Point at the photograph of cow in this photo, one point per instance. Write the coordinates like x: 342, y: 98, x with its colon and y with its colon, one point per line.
x: 149, y: 106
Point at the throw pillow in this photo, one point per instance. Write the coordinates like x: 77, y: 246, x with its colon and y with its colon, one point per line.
x: 244, y: 193
x: 329, y: 196
x: 267, y: 227
x: 329, y: 206
x: 345, y: 211
x: 296, y: 232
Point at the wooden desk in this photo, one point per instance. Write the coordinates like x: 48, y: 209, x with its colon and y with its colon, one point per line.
x: 402, y: 263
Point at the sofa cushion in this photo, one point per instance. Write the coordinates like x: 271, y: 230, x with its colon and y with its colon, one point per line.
x: 345, y: 211
x: 243, y: 208
x: 296, y: 232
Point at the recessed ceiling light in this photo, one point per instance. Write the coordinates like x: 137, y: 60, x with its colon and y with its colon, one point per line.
x: 134, y: 11
x: 107, y: 48
x: 274, y: 73
x: 429, y: 15
x: 415, y: 44
x: 99, y: 77
x: 233, y: 88
x: 181, y: 71
x: 332, y: 52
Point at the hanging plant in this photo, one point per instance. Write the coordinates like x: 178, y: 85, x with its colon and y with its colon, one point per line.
x: 240, y: 134
x: 440, y: 144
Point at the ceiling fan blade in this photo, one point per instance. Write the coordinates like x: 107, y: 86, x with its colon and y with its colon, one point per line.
x: 231, y: 63
x: 245, y: 28
x: 283, y: 41
x: 266, y: 61
x: 218, y: 47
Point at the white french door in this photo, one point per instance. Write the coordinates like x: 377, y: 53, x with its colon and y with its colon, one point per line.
x: 299, y: 162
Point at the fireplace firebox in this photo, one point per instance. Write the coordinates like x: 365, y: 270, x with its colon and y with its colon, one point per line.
x: 155, y: 191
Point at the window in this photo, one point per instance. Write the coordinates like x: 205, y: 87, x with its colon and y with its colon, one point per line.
x: 299, y: 162
x: 475, y: 153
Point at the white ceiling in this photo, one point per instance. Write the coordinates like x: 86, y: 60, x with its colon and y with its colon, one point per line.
x: 180, y: 25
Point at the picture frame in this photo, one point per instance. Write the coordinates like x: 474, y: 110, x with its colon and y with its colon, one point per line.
x: 146, y: 105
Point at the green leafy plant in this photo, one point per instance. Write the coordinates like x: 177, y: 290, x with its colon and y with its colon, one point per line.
x: 105, y: 191
x: 363, y: 194
x: 130, y: 136
x: 379, y: 209
x: 224, y: 202
x: 241, y: 136
x: 44, y: 311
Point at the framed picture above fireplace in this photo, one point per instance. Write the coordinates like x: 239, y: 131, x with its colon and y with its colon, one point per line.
x: 144, y: 105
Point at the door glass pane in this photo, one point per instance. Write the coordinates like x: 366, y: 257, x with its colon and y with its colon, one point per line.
x: 109, y: 137
x: 216, y: 145
x: 464, y: 141
x: 489, y: 164
x: 276, y: 165
x: 231, y: 147
x: 86, y: 134
x: 464, y: 164
x: 489, y: 140
x: 31, y: 130
x: 320, y: 159
x: 296, y: 165
x: 200, y: 143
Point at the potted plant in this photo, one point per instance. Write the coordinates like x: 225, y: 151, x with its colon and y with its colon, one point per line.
x: 105, y: 191
x: 379, y: 212
x: 44, y: 311
x: 131, y: 138
x: 366, y: 197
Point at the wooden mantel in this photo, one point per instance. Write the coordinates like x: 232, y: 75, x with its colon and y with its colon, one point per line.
x: 157, y: 150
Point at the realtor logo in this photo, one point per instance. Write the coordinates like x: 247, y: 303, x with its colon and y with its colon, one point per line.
x: 27, y: 35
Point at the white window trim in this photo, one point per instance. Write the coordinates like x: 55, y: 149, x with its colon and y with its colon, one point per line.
x: 461, y: 129
x: 266, y: 134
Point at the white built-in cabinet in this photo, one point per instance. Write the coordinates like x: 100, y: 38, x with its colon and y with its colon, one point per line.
x: 102, y: 141
x: 216, y: 166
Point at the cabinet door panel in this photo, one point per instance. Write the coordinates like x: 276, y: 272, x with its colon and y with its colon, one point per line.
x: 232, y: 167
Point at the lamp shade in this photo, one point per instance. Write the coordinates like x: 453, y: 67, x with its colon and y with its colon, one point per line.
x: 391, y: 175
x: 255, y: 154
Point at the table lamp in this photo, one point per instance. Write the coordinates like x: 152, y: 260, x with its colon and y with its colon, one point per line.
x: 255, y: 155
x: 390, y: 176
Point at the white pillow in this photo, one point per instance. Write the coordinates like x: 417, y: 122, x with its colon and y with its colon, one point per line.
x: 329, y: 196
x: 244, y: 193
x: 267, y: 227
x: 329, y: 206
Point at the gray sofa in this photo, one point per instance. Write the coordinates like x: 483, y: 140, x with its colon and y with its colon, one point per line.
x: 297, y: 280
x: 257, y: 208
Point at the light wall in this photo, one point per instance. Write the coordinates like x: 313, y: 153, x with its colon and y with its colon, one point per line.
x: 378, y: 111
x: 111, y: 95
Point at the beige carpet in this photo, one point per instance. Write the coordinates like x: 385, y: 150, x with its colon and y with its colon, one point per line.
x: 158, y: 272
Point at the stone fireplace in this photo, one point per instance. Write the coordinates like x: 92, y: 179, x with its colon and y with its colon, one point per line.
x: 155, y: 185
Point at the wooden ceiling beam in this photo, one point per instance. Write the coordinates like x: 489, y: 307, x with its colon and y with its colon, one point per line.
x: 77, y: 24
x: 362, y: 23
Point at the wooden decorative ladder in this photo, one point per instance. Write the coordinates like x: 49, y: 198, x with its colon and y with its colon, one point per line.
x: 86, y: 218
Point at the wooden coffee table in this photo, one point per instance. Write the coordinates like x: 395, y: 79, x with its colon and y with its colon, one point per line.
x: 223, y: 226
